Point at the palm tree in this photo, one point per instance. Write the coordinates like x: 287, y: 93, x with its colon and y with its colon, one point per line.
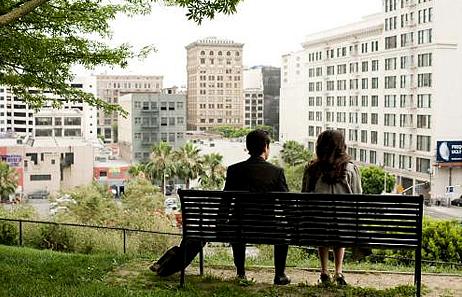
x: 161, y: 164
x: 8, y: 180
x: 188, y: 163
x: 139, y: 170
x: 213, y: 175
x: 294, y: 153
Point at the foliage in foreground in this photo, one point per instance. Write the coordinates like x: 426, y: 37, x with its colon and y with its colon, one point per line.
x: 64, y: 275
x: 40, y: 42
x: 441, y: 241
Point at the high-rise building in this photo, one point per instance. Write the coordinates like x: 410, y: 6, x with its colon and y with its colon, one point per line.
x: 261, y: 93
x: 111, y: 87
x: 390, y: 83
x: 215, y: 90
x: 152, y: 117
x: 16, y: 116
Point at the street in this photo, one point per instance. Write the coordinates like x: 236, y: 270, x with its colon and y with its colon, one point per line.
x: 442, y: 212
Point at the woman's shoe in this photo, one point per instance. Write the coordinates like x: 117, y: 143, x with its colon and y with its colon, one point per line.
x: 340, y: 280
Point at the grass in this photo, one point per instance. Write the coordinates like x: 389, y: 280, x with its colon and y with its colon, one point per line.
x: 298, y: 257
x: 26, y: 272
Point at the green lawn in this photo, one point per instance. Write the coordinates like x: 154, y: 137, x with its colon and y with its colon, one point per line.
x: 28, y: 273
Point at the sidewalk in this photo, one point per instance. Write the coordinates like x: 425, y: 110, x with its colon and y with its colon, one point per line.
x: 438, y: 285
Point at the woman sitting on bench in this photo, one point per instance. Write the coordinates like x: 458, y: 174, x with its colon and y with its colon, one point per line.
x: 331, y: 173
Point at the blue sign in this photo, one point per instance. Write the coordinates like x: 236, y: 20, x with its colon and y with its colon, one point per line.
x: 449, y: 151
x: 11, y: 160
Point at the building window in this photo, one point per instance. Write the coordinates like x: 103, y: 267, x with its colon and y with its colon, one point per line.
x: 423, y: 143
x: 40, y: 177
x: 424, y: 80
x: 374, y: 137
x: 391, y: 42
x: 43, y: 121
x: 372, y: 157
x: 72, y: 121
x: 423, y: 121
x: 389, y: 159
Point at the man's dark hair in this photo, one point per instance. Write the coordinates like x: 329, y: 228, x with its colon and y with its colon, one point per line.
x: 256, y: 141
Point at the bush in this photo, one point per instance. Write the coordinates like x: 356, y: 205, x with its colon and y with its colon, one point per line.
x: 53, y: 237
x: 8, y: 233
x: 441, y: 241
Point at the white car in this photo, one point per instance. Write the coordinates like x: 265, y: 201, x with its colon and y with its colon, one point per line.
x: 171, y: 205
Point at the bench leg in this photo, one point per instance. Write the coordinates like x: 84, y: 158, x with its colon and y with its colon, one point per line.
x: 201, y: 260
x: 182, y: 274
x: 418, y: 271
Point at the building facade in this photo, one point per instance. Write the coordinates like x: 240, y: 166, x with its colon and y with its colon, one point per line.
x: 49, y: 165
x: 61, y: 123
x: 111, y: 87
x: 267, y: 81
x: 152, y: 118
x: 215, y: 84
x: 17, y: 117
x: 390, y: 83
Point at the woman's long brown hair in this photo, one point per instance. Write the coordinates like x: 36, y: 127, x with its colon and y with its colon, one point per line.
x: 331, y: 157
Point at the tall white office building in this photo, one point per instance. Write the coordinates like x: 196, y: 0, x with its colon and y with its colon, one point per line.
x: 18, y: 118
x: 392, y: 84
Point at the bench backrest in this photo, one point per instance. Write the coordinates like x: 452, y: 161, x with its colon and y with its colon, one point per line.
x: 379, y: 221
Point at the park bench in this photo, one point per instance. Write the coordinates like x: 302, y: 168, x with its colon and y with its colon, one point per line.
x: 304, y: 219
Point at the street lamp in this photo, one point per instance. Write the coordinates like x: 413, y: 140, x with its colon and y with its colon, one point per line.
x: 384, y: 179
x: 165, y: 184
x: 430, y: 173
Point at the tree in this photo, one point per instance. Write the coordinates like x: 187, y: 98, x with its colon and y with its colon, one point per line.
x: 140, y: 195
x: 161, y: 164
x: 188, y: 163
x: 294, y: 176
x: 8, y: 181
x: 94, y: 204
x: 372, y: 180
x: 294, y: 153
x: 140, y: 169
x: 232, y: 132
x: 213, y: 175
x: 41, y: 40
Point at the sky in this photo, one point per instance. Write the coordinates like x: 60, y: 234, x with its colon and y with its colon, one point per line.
x: 268, y: 28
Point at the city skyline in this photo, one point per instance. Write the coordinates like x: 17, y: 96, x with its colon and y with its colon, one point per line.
x: 267, y: 31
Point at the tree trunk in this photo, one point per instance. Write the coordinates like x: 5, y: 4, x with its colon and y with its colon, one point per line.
x: 20, y: 12
x: 187, y: 184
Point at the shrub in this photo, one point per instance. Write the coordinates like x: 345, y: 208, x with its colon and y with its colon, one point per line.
x: 441, y: 241
x: 8, y: 233
x: 54, y: 237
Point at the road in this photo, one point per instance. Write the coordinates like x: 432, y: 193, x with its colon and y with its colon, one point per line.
x: 441, y: 212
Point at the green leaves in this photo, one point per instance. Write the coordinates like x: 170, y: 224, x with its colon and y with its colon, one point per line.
x: 8, y: 180
x: 372, y: 180
x: 198, y: 10
x: 294, y: 153
x: 40, y: 45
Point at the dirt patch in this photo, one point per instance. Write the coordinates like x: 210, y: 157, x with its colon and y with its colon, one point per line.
x: 138, y: 273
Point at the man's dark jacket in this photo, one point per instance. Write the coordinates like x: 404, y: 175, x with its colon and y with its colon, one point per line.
x: 255, y: 175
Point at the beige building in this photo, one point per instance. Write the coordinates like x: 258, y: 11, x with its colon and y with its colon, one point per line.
x: 49, y: 164
x: 110, y: 88
x: 215, y: 90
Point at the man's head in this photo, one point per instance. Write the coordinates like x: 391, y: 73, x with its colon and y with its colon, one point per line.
x: 257, y: 143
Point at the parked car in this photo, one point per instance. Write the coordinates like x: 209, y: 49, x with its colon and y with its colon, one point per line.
x: 457, y: 202
x: 171, y: 205
x: 38, y: 195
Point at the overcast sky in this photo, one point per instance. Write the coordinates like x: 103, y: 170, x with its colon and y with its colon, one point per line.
x: 268, y: 28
